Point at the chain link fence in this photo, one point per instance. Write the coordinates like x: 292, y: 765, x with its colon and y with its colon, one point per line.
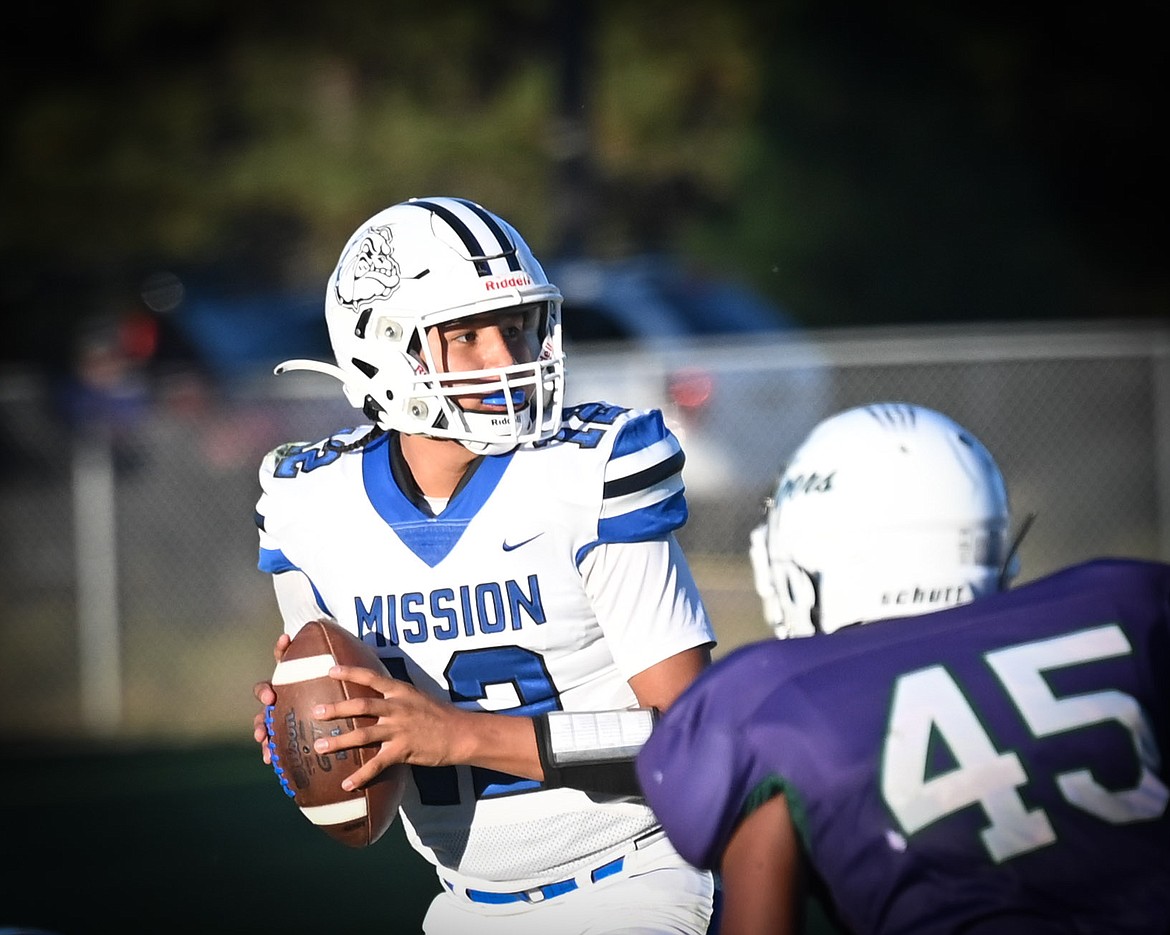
x: 131, y: 603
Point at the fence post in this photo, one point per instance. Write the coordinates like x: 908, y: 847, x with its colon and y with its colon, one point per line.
x: 95, y: 544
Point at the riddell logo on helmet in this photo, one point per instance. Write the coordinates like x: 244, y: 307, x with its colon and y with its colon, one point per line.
x: 508, y: 282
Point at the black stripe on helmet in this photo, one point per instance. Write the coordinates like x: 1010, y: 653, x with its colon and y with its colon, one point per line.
x: 893, y: 415
x: 470, y: 243
x: 507, y: 248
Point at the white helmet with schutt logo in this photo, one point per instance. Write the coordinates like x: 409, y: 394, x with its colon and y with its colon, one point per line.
x: 885, y: 510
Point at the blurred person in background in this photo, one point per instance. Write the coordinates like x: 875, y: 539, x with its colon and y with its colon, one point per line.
x: 514, y: 564
x: 980, y: 760
x: 122, y: 365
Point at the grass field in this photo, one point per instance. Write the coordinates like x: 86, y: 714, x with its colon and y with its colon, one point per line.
x: 190, y: 839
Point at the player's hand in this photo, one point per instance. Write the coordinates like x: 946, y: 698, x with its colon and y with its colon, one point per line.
x: 266, y: 695
x: 411, y: 727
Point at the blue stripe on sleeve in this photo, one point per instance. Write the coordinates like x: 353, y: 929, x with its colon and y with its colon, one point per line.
x: 648, y: 523
x: 640, y: 432
x: 641, y: 525
x: 274, y: 562
x: 320, y: 600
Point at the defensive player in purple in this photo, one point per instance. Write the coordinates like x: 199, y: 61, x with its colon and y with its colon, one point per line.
x: 996, y: 766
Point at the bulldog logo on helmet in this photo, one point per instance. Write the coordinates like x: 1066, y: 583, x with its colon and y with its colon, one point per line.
x: 370, y: 274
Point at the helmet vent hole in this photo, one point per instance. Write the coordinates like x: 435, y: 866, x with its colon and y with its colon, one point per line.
x: 363, y: 320
x: 367, y: 368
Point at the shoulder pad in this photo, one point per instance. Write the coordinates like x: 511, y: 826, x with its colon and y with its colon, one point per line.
x: 643, y: 494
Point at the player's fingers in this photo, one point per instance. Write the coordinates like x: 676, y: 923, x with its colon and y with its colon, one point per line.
x: 352, y: 707
x: 345, y: 740
x: 265, y: 751
x: 368, y: 772
x: 379, y: 681
x: 280, y: 646
x: 264, y: 692
x: 260, y: 734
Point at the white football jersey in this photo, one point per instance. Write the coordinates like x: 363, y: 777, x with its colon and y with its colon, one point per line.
x: 550, y: 578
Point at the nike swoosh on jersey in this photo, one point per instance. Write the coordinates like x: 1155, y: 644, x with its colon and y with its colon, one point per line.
x: 509, y: 546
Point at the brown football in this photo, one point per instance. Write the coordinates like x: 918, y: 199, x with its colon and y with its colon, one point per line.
x: 313, y: 780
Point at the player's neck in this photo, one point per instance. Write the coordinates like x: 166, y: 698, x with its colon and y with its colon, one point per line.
x: 437, y: 464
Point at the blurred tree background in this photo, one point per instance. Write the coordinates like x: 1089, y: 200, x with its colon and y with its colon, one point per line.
x: 857, y: 163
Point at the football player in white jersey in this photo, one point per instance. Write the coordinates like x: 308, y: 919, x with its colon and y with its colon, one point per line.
x: 513, y: 563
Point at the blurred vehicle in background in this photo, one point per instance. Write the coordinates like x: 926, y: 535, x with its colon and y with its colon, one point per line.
x: 654, y: 299
x: 646, y: 332
x: 243, y: 336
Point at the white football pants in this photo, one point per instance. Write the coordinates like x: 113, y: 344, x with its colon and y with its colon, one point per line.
x: 656, y: 893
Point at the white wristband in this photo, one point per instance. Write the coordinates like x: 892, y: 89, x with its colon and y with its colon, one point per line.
x: 597, y: 736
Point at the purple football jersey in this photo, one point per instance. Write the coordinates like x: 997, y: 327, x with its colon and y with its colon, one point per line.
x: 998, y: 766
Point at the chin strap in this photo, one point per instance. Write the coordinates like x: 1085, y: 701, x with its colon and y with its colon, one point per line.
x: 1010, y: 568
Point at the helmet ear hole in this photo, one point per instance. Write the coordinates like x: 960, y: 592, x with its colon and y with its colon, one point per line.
x: 801, y: 612
x: 814, y: 607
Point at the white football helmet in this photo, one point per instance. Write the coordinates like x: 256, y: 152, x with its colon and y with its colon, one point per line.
x: 425, y: 262
x: 886, y: 510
